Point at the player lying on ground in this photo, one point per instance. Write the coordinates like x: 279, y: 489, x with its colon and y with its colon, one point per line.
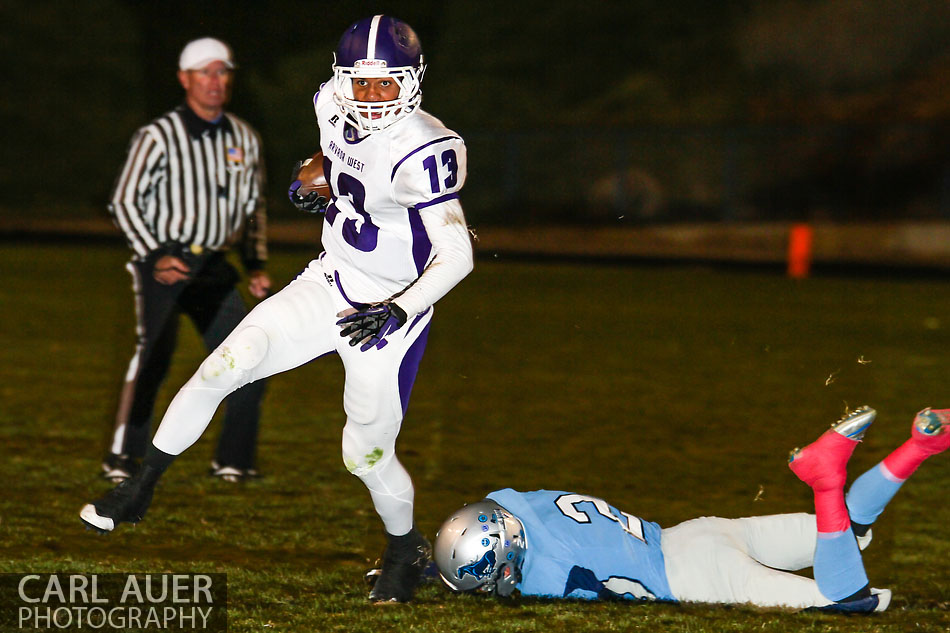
x: 564, y: 545
x: 395, y: 241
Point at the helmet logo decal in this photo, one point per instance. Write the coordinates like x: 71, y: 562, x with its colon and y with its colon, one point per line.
x: 370, y: 63
x: 484, y: 567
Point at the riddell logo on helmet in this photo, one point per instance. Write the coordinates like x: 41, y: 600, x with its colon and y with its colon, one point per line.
x: 370, y: 63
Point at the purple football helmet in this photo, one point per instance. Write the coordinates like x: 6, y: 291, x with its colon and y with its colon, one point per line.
x: 380, y: 46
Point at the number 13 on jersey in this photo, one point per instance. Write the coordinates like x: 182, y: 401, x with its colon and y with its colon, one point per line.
x: 450, y: 170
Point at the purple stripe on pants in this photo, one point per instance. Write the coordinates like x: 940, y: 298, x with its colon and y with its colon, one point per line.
x: 410, y: 367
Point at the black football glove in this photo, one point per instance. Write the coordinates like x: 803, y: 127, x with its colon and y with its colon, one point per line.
x: 312, y: 202
x: 372, y: 325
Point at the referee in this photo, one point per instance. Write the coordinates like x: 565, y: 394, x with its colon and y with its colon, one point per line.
x: 192, y: 185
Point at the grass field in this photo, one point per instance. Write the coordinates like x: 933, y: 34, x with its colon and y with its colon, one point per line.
x: 672, y: 392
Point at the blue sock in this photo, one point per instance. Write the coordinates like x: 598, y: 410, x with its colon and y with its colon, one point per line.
x: 869, y: 494
x: 839, y: 570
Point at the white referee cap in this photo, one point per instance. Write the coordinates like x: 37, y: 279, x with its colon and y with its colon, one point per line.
x: 199, y: 53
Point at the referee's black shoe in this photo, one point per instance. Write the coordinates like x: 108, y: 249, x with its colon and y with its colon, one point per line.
x: 233, y: 474
x: 404, y: 562
x: 126, y: 503
x: 118, y: 468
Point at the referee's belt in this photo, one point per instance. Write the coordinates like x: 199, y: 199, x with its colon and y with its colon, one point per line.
x: 190, y: 251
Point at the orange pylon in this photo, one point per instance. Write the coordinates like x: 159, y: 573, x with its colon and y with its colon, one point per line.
x: 800, y: 241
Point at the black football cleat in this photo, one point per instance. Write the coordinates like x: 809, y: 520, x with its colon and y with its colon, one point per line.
x: 404, y: 562
x: 430, y: 575
x: 126, y: 503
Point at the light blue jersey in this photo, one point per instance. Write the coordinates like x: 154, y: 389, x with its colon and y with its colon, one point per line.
x: 582, y: 547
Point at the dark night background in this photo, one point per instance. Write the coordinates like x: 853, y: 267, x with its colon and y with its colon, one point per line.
x: 596, y: 112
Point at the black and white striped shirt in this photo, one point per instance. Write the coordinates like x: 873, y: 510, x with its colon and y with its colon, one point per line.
x: 187, y: 183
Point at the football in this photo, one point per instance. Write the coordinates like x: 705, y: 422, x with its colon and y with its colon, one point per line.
x: 311, y: 177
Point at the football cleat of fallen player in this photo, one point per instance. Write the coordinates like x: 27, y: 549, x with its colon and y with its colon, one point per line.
x: 931, y: 430
x: 876, y: 602
x: 823, y: 463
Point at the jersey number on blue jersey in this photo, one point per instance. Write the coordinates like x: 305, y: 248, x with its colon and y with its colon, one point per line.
x: 567, y: 504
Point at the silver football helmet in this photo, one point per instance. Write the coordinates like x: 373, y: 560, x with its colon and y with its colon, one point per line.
x: 481, y: 548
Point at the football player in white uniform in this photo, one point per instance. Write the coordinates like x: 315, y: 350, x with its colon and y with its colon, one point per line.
x: 395, y: 241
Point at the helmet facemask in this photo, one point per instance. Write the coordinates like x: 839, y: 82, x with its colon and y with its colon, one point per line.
x: 373, y: 116
x: 508, y: 577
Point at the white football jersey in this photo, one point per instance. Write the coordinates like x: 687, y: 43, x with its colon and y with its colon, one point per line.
x: 373, y: 234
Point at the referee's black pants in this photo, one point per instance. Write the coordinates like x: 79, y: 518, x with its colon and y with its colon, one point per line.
x: 214, y: 305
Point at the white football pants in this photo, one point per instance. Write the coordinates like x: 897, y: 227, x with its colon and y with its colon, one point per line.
x: 739, y: 561
x: 289, y: 329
